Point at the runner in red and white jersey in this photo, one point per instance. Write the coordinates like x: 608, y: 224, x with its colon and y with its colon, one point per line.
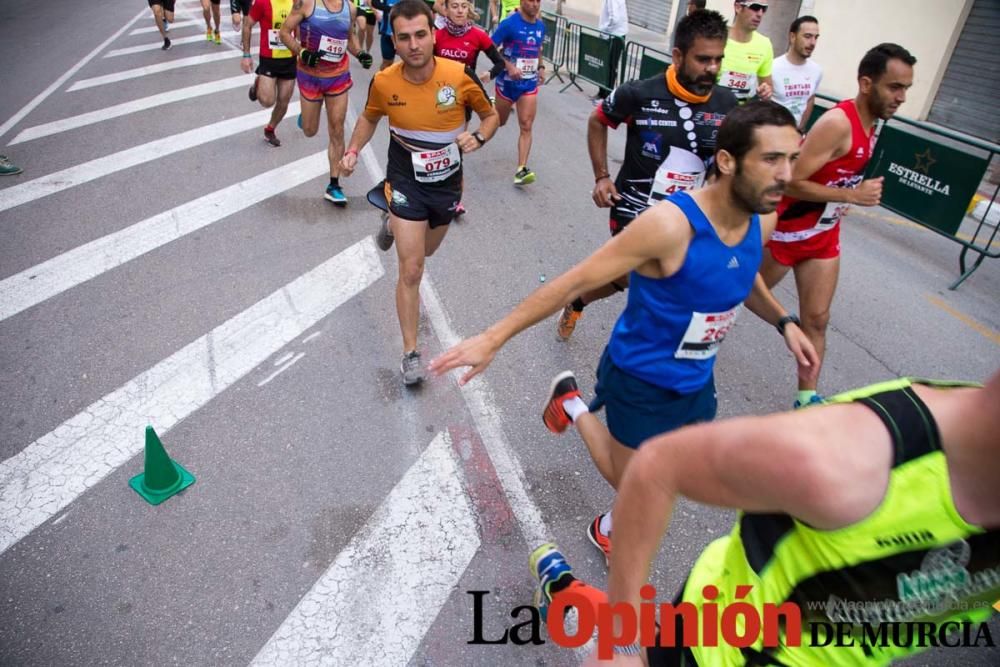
x: 827, y: 179
x: 275, y: 81
x: 462, y: 40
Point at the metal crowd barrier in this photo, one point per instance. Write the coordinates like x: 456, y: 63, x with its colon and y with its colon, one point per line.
x: 642, y: 62
x: 593, y: 56
x: 931, y: 178
x: 554, y: 44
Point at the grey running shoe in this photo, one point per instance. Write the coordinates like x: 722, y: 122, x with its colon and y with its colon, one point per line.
x: 384, y: 237
x: 411, y: 368
x: 8, y: 169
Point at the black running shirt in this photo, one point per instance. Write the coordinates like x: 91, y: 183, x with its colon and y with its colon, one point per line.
x: 670, y: 142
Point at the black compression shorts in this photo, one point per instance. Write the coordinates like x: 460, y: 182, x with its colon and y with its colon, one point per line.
x: 277, y: 68
x: 168, y: 5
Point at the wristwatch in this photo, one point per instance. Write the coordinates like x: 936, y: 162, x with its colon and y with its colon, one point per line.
x: 780, y: 326
x: 478, y: 136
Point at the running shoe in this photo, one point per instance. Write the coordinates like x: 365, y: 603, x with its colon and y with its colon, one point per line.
x: 166, y: 44
x: 411, y: 368
x: 384, y: 237
x: 208, y: 34
x: 271, y: 138
x: 298, y: 121
x: 567, y: 322
x: 252, y: 93
x: 217, y: 38
x: 336, y: 195
x: 548, y: 566
x: 524, y: 176
x: 8, y: 169
x: 815, y: 399
x: 166, y: 25
x: 554, y: 416
x: 599, y: 539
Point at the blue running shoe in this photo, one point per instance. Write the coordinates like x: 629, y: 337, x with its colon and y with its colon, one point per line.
x: 815, y: 399
x: 548, y: 565
x: 336, y: 195
x: 298, y: 121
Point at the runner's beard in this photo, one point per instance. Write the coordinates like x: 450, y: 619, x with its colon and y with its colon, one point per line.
x: 750, y: 198
x: 698, y: 85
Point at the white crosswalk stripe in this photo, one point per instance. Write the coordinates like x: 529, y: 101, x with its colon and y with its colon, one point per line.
x: 173, y: 26
x: 125, y: 108
x: 139, y: 72
x: 156, y: 46
x: 90, y: 171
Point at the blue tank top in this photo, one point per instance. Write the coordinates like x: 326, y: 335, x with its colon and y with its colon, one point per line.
x: 327, y: 33
x: 671, y: 327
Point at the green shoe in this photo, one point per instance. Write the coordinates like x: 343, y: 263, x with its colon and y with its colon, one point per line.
x: 524, y: 176
x: 8, y: 169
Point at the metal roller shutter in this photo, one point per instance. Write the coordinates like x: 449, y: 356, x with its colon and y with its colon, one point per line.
x: 970, y: 89
x: 649, y: 14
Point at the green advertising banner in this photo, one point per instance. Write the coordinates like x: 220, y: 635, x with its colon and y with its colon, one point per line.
x: 652, y: 65
x: 593, y: 61
x: 925, y: 180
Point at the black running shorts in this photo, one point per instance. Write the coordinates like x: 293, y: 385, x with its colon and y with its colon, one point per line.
x: 277, y: 68
x: 168, y: 5
x: 413, y: 201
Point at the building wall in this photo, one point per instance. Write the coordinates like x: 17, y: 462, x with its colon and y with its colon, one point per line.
x: 929, y: 29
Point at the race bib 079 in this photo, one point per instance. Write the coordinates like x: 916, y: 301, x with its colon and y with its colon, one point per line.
x: 436, y: 165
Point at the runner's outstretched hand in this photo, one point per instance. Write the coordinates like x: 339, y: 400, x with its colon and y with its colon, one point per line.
x: 477, y: 352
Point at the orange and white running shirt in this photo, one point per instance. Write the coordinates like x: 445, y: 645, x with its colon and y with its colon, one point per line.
x: 425, y: 119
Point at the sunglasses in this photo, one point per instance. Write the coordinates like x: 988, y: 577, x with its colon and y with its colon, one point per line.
x: 755, y: 6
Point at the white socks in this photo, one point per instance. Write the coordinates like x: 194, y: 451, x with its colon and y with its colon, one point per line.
x: 605, y: 526
x: 575, y: 407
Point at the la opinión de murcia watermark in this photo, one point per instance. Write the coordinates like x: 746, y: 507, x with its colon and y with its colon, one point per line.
x: 739, y: 624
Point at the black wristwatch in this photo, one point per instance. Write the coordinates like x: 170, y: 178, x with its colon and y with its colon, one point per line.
x: 780, y: 326
x: 479, y: 137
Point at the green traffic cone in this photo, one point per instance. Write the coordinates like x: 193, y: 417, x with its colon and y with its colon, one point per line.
x: 161, y: 477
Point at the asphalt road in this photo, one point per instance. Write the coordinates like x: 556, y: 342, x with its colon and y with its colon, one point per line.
x: 150, y: 274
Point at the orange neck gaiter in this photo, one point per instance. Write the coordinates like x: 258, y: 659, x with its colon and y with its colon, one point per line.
x: 680, y: 92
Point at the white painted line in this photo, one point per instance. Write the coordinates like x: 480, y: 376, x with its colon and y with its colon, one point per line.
x: 282, y: 369
x: 47, y: 475
x: 129, y: 50
x: 89, y: 171
x: 284, y: 358
x: 118, y: 110
x: 173, y: 26
x: 30, y: 106
x: 153, y: 69
x: 43, y: 281
x: 313, y: 335
x: 484, y: 413
x: 381, y: 595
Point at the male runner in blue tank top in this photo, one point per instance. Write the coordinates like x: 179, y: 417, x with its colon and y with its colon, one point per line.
x: 519, y: 38
x: 692, y: 261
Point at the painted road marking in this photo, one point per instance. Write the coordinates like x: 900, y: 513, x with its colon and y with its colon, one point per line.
x: 153, y: 69
x: 173, y: 26
x: 383, y: 592
x: 54, y: 276
x: 118, y: 110
x: 50, y: 473
x: 965, y: 319
x: 131, y: 157
x: 30, y: 106
x: 129, y: 50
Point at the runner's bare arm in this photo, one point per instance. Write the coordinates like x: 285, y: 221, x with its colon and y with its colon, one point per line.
x: 778, y: 463
x: 353, y: 39
x: 829, y: 139
x: 364, y: 129
x: 658, y: 234
x: 807, y: 114
x: 291, y: 23
x: 246, y: 63
x: 605, y: 194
